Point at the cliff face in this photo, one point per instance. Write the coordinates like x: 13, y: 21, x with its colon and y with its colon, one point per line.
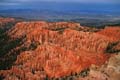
x: 53, y: 61
x: 6, y: 20
x: 5, y: 23
x: 63, y: 34
x: 113, y: 32
x: 47, y: 50
x: 23, y: 28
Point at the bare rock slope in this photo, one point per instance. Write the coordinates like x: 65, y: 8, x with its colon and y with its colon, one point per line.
x: 40, y: 50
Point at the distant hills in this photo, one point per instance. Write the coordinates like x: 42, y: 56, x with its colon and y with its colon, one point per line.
x: 86, y: 19
x: 95, y: 15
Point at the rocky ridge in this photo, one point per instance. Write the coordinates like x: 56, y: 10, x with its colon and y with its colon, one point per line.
x: 55, y: 50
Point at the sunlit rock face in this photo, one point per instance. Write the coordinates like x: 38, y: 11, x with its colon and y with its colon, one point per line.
x: 69, y: 38
x: 5, y: 23
x: 23, y: 28
x: 6, y: 20
x: 57, y: 50
x: 54, y: 61
x: 113, y: 32
x: 78, y: 40
x: 109, y: 71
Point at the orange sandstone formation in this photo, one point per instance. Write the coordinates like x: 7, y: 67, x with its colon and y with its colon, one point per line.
x: 111, y: 32
x: 56, y: 49
x: 54, y: 61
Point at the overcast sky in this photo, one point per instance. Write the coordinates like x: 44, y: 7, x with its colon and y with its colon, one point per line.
x: 91, y: 4
x: 33, y: 3
x: 81, y: 1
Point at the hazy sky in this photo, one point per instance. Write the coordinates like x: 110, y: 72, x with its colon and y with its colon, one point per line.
x: 6, y: 4
x: 15, y: 2
x: 63, y: 5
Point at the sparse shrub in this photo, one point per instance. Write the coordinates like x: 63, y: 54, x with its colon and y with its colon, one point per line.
x: 110, y: 48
